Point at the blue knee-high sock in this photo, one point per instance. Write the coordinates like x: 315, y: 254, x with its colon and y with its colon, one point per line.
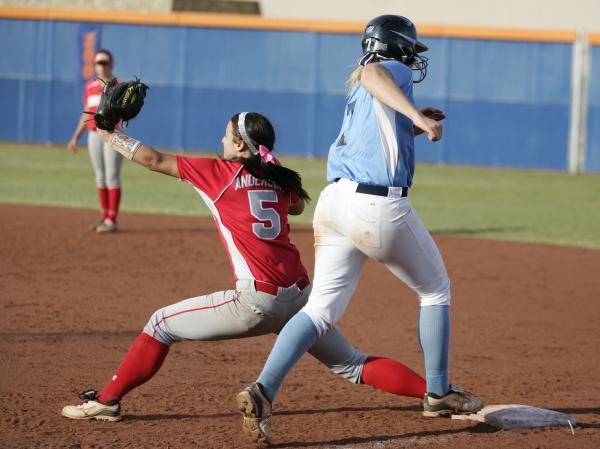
x: 297, y: 336
x: 434, y: 335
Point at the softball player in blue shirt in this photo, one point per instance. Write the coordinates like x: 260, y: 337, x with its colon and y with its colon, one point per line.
x: 365, y: 213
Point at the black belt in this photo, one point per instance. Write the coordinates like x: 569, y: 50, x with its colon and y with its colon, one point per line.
x: 378, y: 190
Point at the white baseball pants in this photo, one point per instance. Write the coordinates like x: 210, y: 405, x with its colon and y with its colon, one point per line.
x: 106, y: 162
x: 351, y: 227
x: 245, y: 312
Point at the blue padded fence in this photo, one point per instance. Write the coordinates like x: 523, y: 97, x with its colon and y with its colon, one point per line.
x: 507, y: 102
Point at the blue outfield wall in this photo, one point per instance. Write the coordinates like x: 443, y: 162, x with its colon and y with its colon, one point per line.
x: 507, y: 102
x: 592, y: 157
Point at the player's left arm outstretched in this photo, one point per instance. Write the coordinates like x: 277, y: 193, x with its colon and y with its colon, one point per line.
x: 165, y: 163
x: 116, y: 105
x: 120, y: 102
x: 141, y: 154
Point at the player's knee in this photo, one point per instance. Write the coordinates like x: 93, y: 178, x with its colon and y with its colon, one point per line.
x: 113, y: 182
x: 438, y: 296
x: 352, y: 368
x: 321, y: 317
x: 155, y: 327
x: 100, y: 180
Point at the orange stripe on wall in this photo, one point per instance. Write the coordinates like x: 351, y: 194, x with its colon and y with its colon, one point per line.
x: 594, y: 39
x: 501, y: 34
x: 239, y: 21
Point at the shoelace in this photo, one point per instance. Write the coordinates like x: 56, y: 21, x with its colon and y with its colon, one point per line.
x: 85, y: 405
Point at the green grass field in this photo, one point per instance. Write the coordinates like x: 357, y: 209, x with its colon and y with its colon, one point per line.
x: 519, y: 205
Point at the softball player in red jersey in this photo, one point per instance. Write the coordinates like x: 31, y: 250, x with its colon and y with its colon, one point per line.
x: 106, y: 162
x: 250, y: 196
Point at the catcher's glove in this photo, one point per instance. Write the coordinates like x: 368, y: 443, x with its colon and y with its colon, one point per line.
x: 119, y: 101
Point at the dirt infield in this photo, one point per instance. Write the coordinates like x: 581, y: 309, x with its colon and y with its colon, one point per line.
x: 525, y: 330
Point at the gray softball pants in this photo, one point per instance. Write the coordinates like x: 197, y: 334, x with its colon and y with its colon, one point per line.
x: 106, y: 162
x: 245, y: 312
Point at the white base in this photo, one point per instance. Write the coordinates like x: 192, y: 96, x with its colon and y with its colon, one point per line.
x: 514, y: 416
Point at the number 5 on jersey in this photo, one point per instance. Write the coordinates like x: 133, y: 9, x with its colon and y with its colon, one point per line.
x: 270, y: 221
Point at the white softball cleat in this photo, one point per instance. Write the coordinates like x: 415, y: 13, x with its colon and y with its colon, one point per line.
x: 92, y: 409
x: 107, y: 227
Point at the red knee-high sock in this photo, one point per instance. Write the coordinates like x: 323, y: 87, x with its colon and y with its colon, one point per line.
x: 103, y: 197
x: 141, y: 362
x: 114, y: 199
x: 393, y: 377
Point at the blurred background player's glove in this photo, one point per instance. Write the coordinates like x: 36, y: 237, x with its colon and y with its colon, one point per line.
x: 119, y: 101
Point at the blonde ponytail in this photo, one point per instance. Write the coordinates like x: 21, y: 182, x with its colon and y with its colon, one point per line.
x: 353, y: 79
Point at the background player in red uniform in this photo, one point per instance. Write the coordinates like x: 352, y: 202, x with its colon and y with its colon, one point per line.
x: 250, y: 196
x: 106, y: 162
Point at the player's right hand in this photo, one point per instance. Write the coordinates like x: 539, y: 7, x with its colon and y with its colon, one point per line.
x: 433, y: 128
x: 433, y: 113
x: 72, y: 145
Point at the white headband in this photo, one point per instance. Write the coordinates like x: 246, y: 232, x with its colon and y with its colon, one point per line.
x: 244, y: 134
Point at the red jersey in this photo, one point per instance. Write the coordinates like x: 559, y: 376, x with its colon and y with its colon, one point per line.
x: 92, y: 91
x: 251, y: 216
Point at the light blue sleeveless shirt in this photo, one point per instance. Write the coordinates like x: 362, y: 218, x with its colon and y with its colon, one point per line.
x: 376, y: 144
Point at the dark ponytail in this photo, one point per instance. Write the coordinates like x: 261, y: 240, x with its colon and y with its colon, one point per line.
x: 260, y: 131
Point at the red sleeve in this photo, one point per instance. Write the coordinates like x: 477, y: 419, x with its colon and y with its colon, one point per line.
x: 207, y: 174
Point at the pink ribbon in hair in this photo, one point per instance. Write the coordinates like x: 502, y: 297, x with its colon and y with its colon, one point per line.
x: 267, y: 155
